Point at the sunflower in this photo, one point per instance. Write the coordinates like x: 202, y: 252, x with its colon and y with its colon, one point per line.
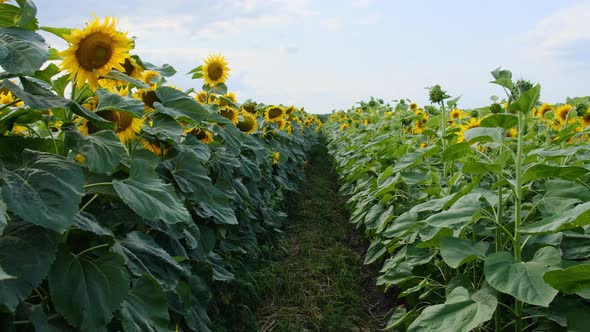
x: 148, y: 97
x: 561, y: 114
x: 132, y: 69
x: 201, y: 97
x: 202, y: 135
x: 249, y: 107
x: 126, y: 126
x: 289, y: 110
x: 6, y: 97
x: 512, y: 133
x: 366, y: 122
x: 248, y: 123
x: 274, y: 113
x: 417, y: 129
x: 94, y: 51
x: 544, y: 109
x: 229, y: 113
x: 457, y: 114
x: 159, y: 148
x: 413, y: 106
x: 473, y: 123
x: 215, y: 70
x: 344, y: 126
x: 281, y: 123
x: 275, y: 158
x: 147, y: 77
x: 585, y: 119
x: 231, y: 96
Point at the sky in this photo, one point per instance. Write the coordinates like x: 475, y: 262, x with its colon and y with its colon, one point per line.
x: 328, y: 55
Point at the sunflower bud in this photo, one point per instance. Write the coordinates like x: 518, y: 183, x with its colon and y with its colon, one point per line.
x: 496, y: 108
x: 474, y: 114
x: 437, y: 94
x: 581, y: 109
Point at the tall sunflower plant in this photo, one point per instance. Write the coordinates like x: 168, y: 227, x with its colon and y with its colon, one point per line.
x: 127, y: 203
x: 479, y: 217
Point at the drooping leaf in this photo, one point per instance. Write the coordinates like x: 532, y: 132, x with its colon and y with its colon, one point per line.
x: 541, y: 171
x: 146, y: 307
x: 46, y: 191
x: 146, y: 194
x: 457, y: 151
x: 523, y: 280
x: 22, y: 51
x: 144, y: 256
x: 571, y: 280
x: 456, y: 252
x: 399, y: 316
x: 102, y: 150
x: 179, y: 105
x: 86, y: 291
x: 114, y: 102
x: 40, y: 320
x: 505, y: 121
x: 527, y: 100
x: 26, y: 253
x: 461, y: 312
x: 414, y: 158
x: 571, y: 218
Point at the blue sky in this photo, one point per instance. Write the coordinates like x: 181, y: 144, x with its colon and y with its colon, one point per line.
x: 327, y: 55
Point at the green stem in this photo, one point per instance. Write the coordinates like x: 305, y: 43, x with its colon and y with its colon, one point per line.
x: 97, y: 184
x: 89, y: 202
x: 517, y: 207
x: 92, y: 248
x: 497, y: 316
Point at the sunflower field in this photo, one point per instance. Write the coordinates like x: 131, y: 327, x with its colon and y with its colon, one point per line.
x: 127, y: 203
x: 481, y: 218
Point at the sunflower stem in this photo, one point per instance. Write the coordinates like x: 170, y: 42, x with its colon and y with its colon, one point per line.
x: 91, y: 249
x: 518, y: 306
x: 89, y: 202
x: 97, y: 184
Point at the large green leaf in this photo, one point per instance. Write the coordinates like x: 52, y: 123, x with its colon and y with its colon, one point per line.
x: 144, y: 256
x: 399, y: 316
x: 26, y: 18
x: 482, y: 134
x: 108, y: 101
x: 414, y: 158
x: 571, y: 280
x: 146, y: 307
x: 457, y: 151
x: 478, y: 167
x: 505, y: 121
x: 189, y: 173
x: 572, y: 218
x: 26, y: 253
x: 146, y: 194
x: 46, y: 191
x: 541, y: 171
x: 456, y: 252
x: 102, y: 150
x: 527, y: 100
x: 460, y: 312
x: 461, y: 213
x: 22, y: 51
x: 195, y: 297
x: 86, y: 291
x: 179, y: 105
x: 523, y: 280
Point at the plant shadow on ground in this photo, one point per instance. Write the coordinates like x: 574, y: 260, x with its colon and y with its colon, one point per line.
x: 313, y: 278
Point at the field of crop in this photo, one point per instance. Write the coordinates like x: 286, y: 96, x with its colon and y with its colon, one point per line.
x: 480, y: 217
x: 130, y: 204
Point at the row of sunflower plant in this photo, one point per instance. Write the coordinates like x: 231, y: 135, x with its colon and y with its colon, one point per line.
x: 125, y: 202
x: 480, y: 217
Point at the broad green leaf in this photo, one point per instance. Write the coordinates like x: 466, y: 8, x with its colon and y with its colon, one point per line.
x: 395, y: 276
x: 481, y: 134
x: 459, y: 214
x: 542, y: 171
x: 219, y: 88
x: 86, y: 291
x: 88, y: 223
x: 27, y: 16
x: 40, y: 320
x: 3, y: 213
x: 478, y: 167
x: 22, y: 51
x: 146, y: 194
x: 102, y: 150
x: 144, y: 256
x: 195, y: 296
x: 578, y: 320
x: 179, y: 105
x: 414, y: 158
x: 527, y: 100
x: 35, y: 96
x: 457, y: 151
x: 114, y: 102
x: 189, y: 173
x: 164, y: 128
x: 47, y: 73
x: 572, y: 218
x: 571, y: 280
x: 146, y: 307
x: 214, y: 203
x: 4, y: 275
x: 60, y: 32
x: 26, y: 253
x: 399, y: 316
x: 505, y: 121
x: 164, y: 70
x: 119, y: 76
x: 456, y: 252
x: 46, y: 191
x: 523, y: 280
x: 375, y: 250
x: 460, y: 312
x: 373, y: 215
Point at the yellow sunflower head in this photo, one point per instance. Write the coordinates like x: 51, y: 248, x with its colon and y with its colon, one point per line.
x: 149, y: 97
x: 289, y: 110
x: 585, y: 119
x: 201, y: 97
x: 159, y: 148
x: 248, y: 123
x: 275, y: 158
x: 202, y: 135
x: 457, y: 114
x: 473, y: 123
x: 249, y: 107
x: 132, y: 68
x: 413, y: 106
x: 344, y: 126
x: 95, y: 51
x: 147, y: 77
x: 274, y: 113
x: 215, y: 70
x: 126, y: 126
x: 231, y: 96
x: 561, y: 114
x: 512, y: 133
x: 229, y: 113
x: 6, y: 97
x: 281, y: 123
x: 544, y: 109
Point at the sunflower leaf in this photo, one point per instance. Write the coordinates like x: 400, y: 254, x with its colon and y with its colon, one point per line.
x: 108, y: 101
x: 22, y: 51
x: 102, y: 150
x: 60, y: 32
x: 146, y: 307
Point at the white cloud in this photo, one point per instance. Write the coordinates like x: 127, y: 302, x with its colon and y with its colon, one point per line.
x: 370, y: 19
